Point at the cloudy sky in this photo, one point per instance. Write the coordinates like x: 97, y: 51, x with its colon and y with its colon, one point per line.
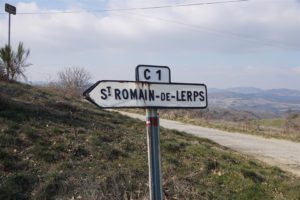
x: 225, y: 44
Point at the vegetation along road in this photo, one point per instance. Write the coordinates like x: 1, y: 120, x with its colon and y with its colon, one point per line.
x: 281, y: 153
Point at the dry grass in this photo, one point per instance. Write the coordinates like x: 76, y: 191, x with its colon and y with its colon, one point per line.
x: 242, y: 122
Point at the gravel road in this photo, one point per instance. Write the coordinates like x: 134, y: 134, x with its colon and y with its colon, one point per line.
x: 282, y: 153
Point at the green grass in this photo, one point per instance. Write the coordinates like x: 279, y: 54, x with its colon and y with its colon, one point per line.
x: 52, y: 147
x: 276, y: 122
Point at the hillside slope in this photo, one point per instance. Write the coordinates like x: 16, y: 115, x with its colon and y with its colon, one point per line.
x: 53, y: 147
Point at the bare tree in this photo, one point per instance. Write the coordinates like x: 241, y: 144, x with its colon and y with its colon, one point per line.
x: 74, y: 80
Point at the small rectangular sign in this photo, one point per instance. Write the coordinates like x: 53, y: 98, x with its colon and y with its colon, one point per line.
x: 10, y: 9
x: 153, y: 73
x: 130, y: 94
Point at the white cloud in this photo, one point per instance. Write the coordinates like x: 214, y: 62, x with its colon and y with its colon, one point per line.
x: 224, y: 28
x: 115, y: 40
x: 296, y: 70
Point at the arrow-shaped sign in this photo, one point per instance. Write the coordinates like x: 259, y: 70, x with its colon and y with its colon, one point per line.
x: 130, y: 94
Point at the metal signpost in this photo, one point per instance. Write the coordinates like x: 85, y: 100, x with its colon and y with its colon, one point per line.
x: 154, y: 161
x: 10, y: 9
x: 151, y: 90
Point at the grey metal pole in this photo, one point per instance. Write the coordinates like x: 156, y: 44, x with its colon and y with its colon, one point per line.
x: 154, y: 161
x: 9, y: 29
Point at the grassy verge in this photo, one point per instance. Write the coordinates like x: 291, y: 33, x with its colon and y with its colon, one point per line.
x: 52, y: 147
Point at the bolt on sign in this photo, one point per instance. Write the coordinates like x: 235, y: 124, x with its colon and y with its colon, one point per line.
x: 152, y: 89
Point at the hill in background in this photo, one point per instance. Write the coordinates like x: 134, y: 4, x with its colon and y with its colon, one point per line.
x: 264, y: 103
x: 55, y: 147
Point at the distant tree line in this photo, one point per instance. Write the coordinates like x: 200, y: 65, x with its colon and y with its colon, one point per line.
x: 13, y: 63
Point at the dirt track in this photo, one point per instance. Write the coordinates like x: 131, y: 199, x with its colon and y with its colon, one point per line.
x: 281, y: 153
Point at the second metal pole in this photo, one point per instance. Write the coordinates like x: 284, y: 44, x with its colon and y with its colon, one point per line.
x: 154, y: 161
x: 9, y: 29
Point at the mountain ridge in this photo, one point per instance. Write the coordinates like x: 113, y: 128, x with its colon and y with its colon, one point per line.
x: 253, y: 90
x: 273, y: 102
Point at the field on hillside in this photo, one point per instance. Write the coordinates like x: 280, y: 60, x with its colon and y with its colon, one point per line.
x: 55, y: 147
x: 240, y: 121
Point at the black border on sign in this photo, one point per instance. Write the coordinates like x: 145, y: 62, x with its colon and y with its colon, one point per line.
x: 86, y: 94
x: 153, y: 66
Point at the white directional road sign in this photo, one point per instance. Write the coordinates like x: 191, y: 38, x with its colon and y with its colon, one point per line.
x: 130, y: 94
